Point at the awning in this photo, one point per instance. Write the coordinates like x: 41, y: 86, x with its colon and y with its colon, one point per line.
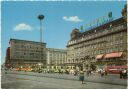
x: 113, y: 55
x: 99, y: 56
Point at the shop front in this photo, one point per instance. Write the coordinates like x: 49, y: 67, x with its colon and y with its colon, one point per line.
x: 110, y: 59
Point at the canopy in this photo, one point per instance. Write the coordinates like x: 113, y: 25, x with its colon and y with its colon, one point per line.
x: 99, y: 56
x: 113, y: 55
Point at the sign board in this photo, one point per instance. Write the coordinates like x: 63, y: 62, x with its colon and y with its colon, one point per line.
x: 97, y: 22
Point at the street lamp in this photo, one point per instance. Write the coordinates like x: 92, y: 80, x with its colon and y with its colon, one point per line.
x: 41, y: 17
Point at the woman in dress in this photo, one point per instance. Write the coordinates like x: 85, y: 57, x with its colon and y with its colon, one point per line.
x: 81, y: 77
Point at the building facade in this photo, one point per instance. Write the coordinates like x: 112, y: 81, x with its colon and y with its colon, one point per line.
x: 56, y: 58
x: 26, y: 53
x: 7, y: 58
x: 103, y: 45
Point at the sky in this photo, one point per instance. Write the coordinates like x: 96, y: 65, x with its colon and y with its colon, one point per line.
x: 19, y: 19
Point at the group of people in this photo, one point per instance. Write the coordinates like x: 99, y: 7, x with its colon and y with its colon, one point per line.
x: 89, y: 72
x: 102, y: 72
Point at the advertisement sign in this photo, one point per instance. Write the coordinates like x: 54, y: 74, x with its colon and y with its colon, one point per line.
x: 97, y: 22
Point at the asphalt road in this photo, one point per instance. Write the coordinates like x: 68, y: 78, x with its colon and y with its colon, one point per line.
x: 15, y: 81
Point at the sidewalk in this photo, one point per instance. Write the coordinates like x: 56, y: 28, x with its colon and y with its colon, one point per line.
x: 109, y: 79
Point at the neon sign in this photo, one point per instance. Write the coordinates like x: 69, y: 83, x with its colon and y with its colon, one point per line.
x: 97, y: 22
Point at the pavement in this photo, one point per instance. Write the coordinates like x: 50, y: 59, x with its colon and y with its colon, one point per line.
x: 20, y: 81
x: 109, y: 79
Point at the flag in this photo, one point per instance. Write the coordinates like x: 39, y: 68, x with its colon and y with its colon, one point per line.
x: 81, y: 28
x: 110, y: 14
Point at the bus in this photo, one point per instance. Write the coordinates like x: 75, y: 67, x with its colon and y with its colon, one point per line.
x: 115, y: 69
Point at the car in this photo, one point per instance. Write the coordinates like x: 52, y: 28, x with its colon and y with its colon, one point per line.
x: 56, y: 71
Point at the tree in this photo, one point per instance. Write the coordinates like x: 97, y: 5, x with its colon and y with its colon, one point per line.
x: 93, y: 67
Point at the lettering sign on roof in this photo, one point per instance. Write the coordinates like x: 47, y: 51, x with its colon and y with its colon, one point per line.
x: 97, y: 22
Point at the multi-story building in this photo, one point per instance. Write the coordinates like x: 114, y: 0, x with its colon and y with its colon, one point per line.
x: 56, y: 58
x: 26, y: 53
x: 102, y: 45
x: 7, y: 62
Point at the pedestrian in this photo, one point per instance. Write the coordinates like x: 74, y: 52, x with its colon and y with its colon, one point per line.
x: 87, y: 72
x: 106, y: 72
x: 90, y: 72
x: 81, y: 77
x: 59, y: 71
x: 5, y: 72
x: 75, y: 72
x: 102, y: 73
x: 121, y: 74
x: 66, y: 72
x: 124, y: 74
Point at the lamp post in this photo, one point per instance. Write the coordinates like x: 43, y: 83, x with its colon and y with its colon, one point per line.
x: 41, y: 17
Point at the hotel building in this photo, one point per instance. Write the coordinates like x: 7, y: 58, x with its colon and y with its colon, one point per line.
x: 101, y: 46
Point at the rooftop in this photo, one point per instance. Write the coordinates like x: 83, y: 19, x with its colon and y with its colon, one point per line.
x: 26, y: 41
x: 101, y: 27
x: 55, y: 49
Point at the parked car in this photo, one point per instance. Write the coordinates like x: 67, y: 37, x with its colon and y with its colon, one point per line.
x: 39, y: 71
x: 56, y: 71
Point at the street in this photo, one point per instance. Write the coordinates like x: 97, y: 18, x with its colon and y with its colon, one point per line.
x: 16, y: 81
x: 96, y: 78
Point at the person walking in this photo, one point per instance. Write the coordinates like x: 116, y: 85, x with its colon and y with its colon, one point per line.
x: 106, y: 72
x: 90, y: 72
x: 121, y: 74
x: 102, y: 73
x: 124, y: 74
x: 81, y: 77
x: 87, y: 72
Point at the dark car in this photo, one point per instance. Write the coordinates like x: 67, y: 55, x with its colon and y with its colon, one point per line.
x: 39, y: 71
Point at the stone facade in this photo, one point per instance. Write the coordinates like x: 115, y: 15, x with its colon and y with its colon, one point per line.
x: 56, y: 57
x: 7, y: 61
x: 103, y: 45
x: 27, y: 53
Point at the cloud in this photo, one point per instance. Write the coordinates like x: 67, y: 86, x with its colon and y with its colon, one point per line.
x: 72, y: 18
x: 22, y: 26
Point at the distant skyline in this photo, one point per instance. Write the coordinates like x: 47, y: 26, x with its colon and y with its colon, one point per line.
x: 19, y: 19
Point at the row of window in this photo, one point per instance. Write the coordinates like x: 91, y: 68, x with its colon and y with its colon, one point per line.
x: 104, y: 43
x: 26, y: 53
x: 102, y: 47
x: 28, y: 46
x: 57, y: 54
x: 96, y: 52
x: 27, y: 57
x: 98, y: 34
x: 28, y: 49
